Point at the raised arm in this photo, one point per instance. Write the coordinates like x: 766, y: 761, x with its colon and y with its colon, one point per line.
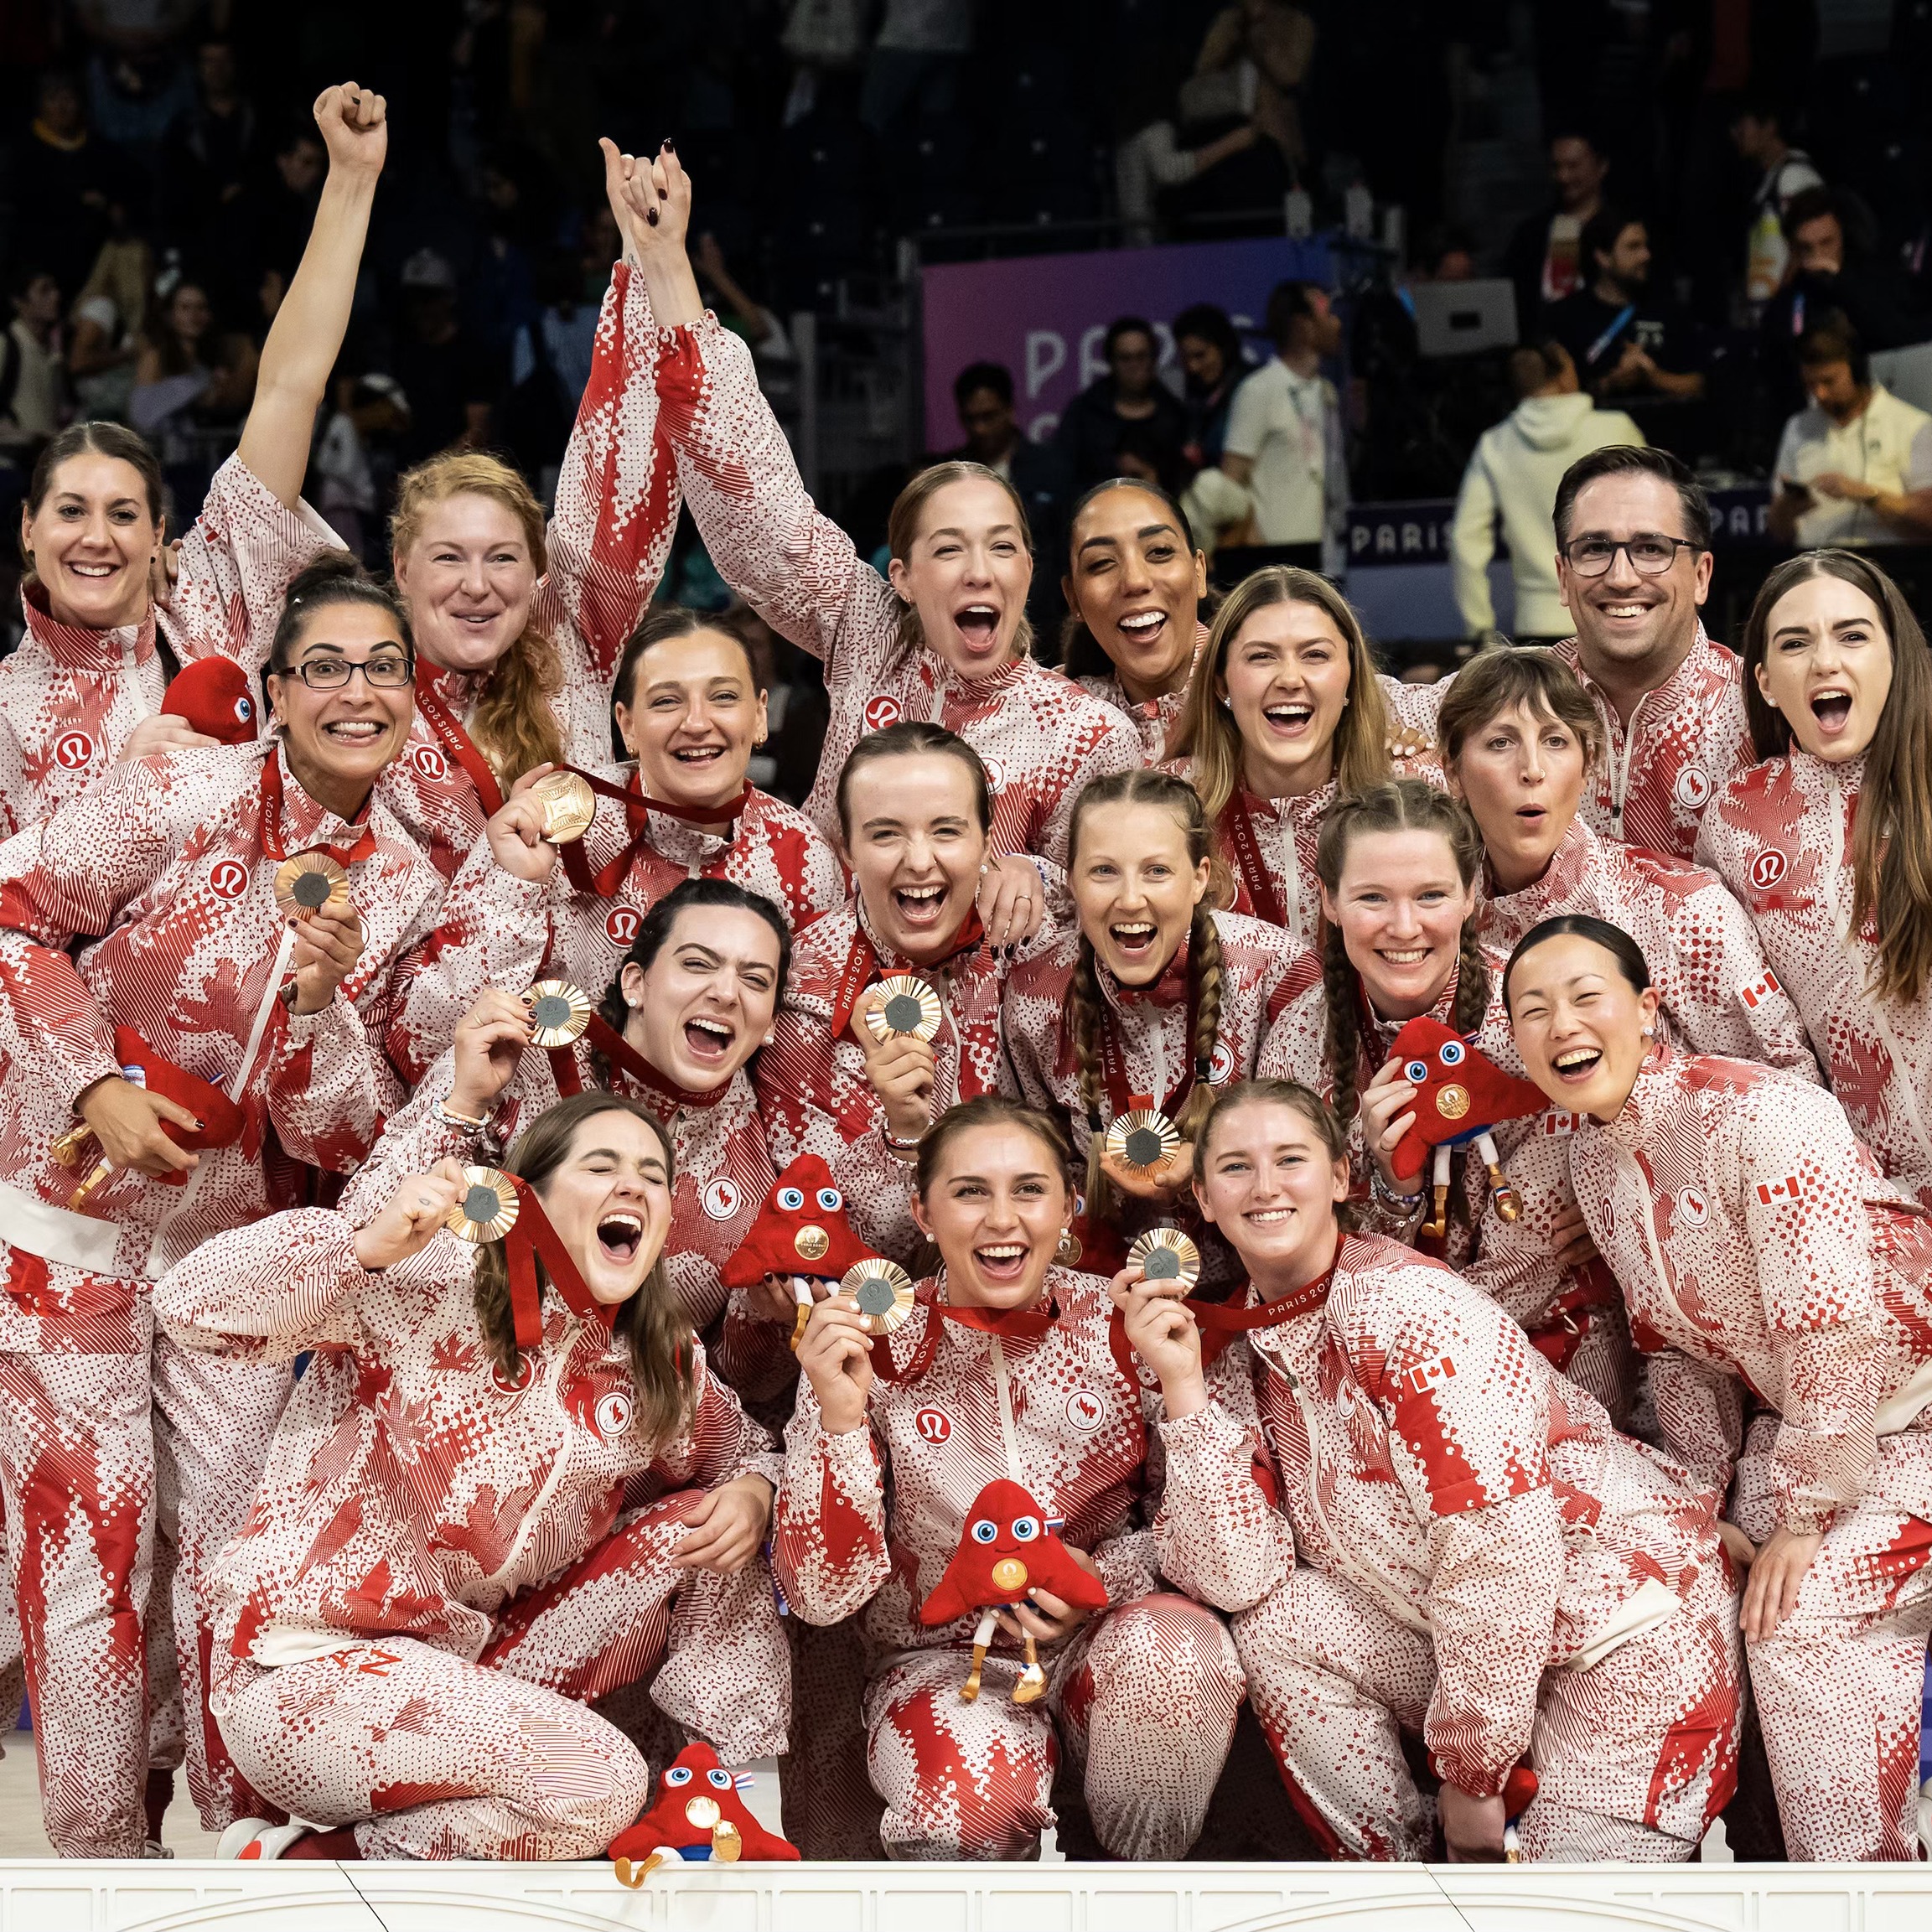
x: 306, y: 336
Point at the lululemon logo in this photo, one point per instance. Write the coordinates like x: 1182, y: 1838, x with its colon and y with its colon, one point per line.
x: 1769, y: 867
x: 74, y: 750
x: 880, y: 711
x: 228, y: 879
x: 621, y: 926
x: 430, y: 762
x: 933, y: 1425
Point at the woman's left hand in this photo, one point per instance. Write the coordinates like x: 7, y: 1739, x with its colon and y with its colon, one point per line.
x: 726, y: 1527
x: 1772, y: 1594
x: 1012, y: 900
x: 1044, y: 1616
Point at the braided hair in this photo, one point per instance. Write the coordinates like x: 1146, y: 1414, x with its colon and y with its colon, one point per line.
x: 1086, y: 1006
x: 1400, y: 805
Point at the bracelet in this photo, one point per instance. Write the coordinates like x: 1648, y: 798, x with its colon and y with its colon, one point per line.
x: 457, y: 1120
x: 906, y: 1151
x: 1403, y: 1204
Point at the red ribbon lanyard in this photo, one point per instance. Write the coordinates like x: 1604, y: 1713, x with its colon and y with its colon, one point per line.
x: 637, y: 808
x: 1255, y: 875
x: 861, y: 968
x: 1008, y: 1325
x: 624, y: 1056
x: 270, y: 831
x: 533, y: 1235
x: 461, y: 747
x: 1113, y: 1066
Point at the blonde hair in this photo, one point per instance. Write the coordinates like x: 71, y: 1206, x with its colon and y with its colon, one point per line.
x: 1206, y: 732
x: 512, y: 725
x: 902, y: 531
x: 1086, y: 1005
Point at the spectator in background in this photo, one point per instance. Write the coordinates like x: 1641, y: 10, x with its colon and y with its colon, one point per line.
x: 1855, y: 468
x: 193, y: 384
x: 1276, y: 41
x: 275, y: 216
x: 1623, y: 342
x: 1545, y: 256
x: 34, y: 395
x: 355, y: 461
x: 915, y: 62
x: 550, y: 354
x: 65, y: 183
x: 1152, y: 159
x: 450, y: 380
x: 748, y: 316
x: 983, y: 395
x: 1131, y: 392
x: 1784, y: 172
x: 206, y: 163
x: 1284, y: 435
x: 1211, y: 356
x: 1512, y: 480
x: 105, y: 329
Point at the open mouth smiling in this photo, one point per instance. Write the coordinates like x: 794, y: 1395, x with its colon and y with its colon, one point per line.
x: 620, y: 1236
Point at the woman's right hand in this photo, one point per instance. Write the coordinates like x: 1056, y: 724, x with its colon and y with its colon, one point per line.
x: 1386, y: 1113
x: 515, y: 832
x: 127, y: 1120
x: 901, y: 1069
x: 1162, y: 1332
x: 835, y: 1356
x: 407, y: 1222
x: 489, y: 1041
x: 651, y: 196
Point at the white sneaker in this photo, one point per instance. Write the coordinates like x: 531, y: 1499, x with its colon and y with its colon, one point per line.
x: 256, y: 1838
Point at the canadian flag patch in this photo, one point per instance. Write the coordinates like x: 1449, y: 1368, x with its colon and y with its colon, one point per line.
x: 1756, y: 994
x: 1427, y: 1375
x: 1770, y: 1192
x: 1559, y: 1120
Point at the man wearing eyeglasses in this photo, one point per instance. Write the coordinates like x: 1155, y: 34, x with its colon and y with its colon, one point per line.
x: 1633, y: 568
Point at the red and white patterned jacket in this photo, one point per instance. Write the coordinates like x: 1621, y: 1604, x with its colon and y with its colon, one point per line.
x: 1760, y: 1249
x: 1432, y: 1461
x: 615, y: 515
x: 811, y: 1079
x: 1040, y: 735
x: 1780, y: 838
x: 1050, y: 1408
x: 1719, y: 995
x: 71, y: 697
x: 1152, y: 718
x: 421, y: 1506
x: 165, y: 857
x: 498, y: 929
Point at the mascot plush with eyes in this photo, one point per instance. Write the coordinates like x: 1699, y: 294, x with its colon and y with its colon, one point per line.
x: 801, y: 1235
x: 1461, y: 1095
x: 700, y: 1816
x: 1006, y: 1550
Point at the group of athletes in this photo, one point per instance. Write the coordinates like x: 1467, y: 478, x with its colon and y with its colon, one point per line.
x: 393, y: 1081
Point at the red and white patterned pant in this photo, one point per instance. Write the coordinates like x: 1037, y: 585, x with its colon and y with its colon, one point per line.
x: 432, y: 1757
x: 1839, y: 1684
x: 1634, y: 1756
x: 77, y: 1471
x: 1146, y: 1703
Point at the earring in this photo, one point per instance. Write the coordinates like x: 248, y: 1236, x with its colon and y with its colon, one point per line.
x: 769, y: 1038
x: 634, y: 1004
x: 1650, y: 1033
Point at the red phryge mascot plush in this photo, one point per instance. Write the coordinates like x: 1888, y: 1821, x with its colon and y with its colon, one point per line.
x: 801, y: 1234
x: 1463, y: 1096
x: 699, y: 1817
x: 1006, y: 1550
x: 212, y: 696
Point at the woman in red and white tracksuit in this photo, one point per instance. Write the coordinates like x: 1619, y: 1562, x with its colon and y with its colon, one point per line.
x: 173, y: 858
x: 1153, y: 1002
x: 1421, y: 1529
x: 681, y: 1018
x: 520, y: 621
x: 1285, y: 713
x: 1766, y: 1261
x: 690, y: 710
x: 1400, y: 866
x: 537, y: 1494
x: 84, y: 690
x: 1828, y: 843
x: 1002, y: 1372
x: 913, y: 819
x: 943, y: 641
x: 1520, y: 737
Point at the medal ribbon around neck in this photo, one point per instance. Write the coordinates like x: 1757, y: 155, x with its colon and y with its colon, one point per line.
x: 270, y: 824
x: 638, y: 808
x: 451, y: 735
x: 1255, y: 875
x: 626, y: 1058
x: 531, y: 1234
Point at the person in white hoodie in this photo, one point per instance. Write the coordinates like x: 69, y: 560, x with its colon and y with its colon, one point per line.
x: 1513, y: 475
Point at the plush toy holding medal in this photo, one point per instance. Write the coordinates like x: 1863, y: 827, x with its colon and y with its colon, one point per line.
x: 802, y: 1235
x: 1460, y: 1096
x: 700, y: 1816
x: 1008, y: 1548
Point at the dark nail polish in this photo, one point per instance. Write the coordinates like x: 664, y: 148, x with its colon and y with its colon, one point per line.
x: 651, y: 216
x: 669, y: 146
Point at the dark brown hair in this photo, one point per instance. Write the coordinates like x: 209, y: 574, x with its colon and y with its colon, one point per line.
x: 991, y: 1111
x: 1891, y: 838
x: 651, y: 1324
x: 1402, y: 805
x: 661, y: 623
x: 1496, y: 681
x: 112, y: 439
x: 1081, y: 654
x: 653, y: 934
x: 336, y: 577
x: 911, y: 737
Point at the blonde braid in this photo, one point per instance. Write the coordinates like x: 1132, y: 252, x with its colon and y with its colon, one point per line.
x: 1472, y: 1006
x: 1205, y: 971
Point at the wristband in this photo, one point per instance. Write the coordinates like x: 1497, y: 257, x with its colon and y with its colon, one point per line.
x: 1403, y: 1204
x: 904, y: 1151
x: 457, y: 1120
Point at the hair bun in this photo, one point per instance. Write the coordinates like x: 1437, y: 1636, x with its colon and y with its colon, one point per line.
x: 332, y: 566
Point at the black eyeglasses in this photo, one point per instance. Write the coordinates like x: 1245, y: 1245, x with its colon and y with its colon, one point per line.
x: 1650, y: 553
x: 390, y: 671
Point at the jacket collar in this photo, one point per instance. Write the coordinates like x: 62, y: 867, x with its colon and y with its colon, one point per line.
x: 76, y: 647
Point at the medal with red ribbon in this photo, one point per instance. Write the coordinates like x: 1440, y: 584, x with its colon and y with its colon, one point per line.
x: 862, y: 970
x: 1239, y: 821
x: 637, y: 808
x: 495, y: 1206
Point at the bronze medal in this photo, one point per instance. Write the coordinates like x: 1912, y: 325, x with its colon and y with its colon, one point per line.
x: 1166, y: 1255
x: 1144, y: 1140
x: 906, y: 1005
x: 307, y: 883
x: 486, y: 1209
x: 558, y: 1012
x: 567, y: 804
x: 883, y: 1292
